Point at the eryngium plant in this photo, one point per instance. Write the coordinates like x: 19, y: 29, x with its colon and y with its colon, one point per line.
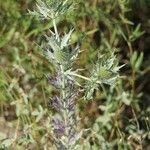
x: 62, y: 55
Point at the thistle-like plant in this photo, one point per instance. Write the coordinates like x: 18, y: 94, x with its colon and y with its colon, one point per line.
x: 62, y: 55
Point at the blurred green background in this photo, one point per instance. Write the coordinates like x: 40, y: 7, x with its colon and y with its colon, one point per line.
x: 119, y: 116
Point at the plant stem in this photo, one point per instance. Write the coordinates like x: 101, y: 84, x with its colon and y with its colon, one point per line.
x: 65, y: 112
x: 83, y: 77
x: 80, y: 76
x: 55, y: 28
x: 63, y: 82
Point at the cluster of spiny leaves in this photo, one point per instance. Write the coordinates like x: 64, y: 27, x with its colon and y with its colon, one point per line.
x: 52, y: 8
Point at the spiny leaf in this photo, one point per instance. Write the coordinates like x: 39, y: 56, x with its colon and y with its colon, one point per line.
x: 104, y: 73
x: 65, y: 39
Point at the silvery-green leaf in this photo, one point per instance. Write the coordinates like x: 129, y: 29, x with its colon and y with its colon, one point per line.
x: 104, y: 73
x: 75, y: 52
x: 61, y: 56
x: 110, y: 62
x: 117, y: 68
x: 65, y: 39
x: 52, y: 43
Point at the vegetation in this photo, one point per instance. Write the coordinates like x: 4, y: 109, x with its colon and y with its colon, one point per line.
x: 74, y: 74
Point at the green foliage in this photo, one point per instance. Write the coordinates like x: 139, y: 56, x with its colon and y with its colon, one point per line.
x: 136, y: 61
x: 109, y: 33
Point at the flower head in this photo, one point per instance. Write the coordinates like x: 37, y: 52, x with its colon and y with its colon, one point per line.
x: 59, y: 127
x: 53, y: 80
x: 56, y: 103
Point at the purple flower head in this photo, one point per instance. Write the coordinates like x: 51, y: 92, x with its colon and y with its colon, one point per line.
x: 70, y: 104
x: 53, y: 80
x: 56, y: 103
x: 59, y: 127
x: 70, y: 101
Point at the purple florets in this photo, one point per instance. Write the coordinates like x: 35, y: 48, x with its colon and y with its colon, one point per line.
x: 59, y: 127
x: 56, y: 104
x: 53, y: 80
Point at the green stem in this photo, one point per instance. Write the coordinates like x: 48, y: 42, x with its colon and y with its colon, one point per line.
x: 83, y: 77
x: 80, y: 76
x: 63, y: 82
x: 65, y: 112
x: 55, y: 28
